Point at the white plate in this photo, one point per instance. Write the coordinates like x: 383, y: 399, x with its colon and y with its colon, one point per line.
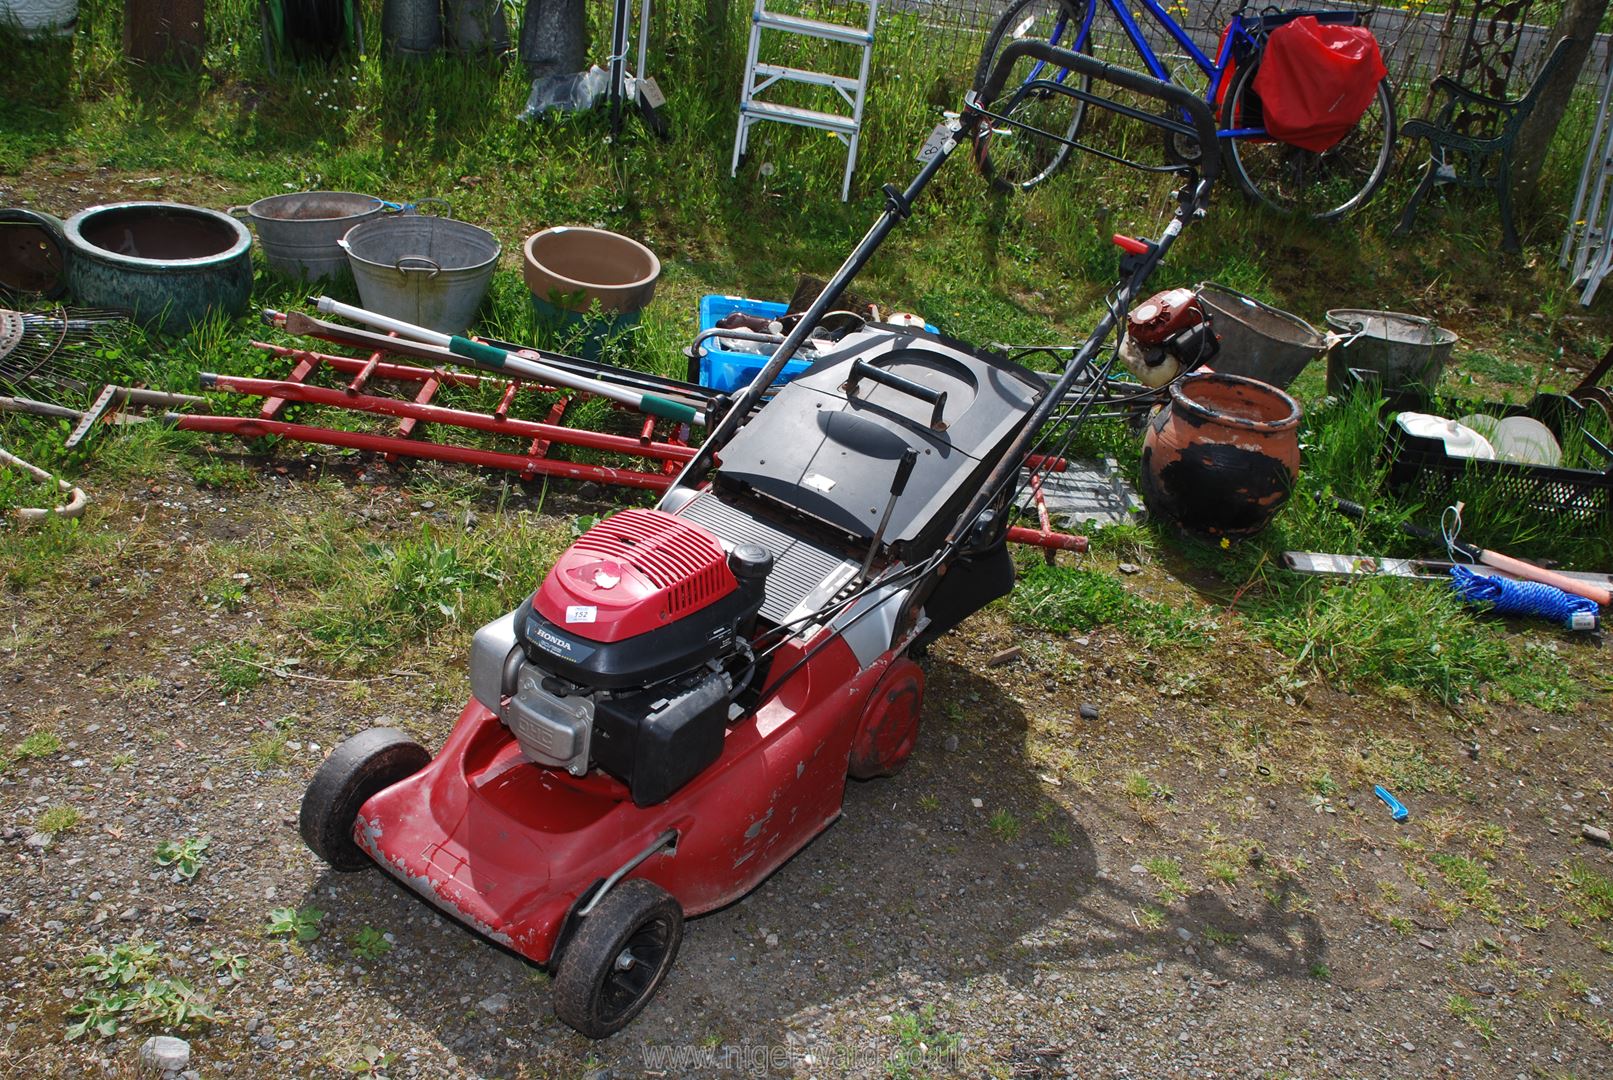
x: 1527, y: 441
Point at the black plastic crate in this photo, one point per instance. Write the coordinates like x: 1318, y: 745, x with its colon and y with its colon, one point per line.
x: 1421, y: 466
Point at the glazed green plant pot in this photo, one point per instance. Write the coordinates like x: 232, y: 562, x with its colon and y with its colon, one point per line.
x: 169, y: 265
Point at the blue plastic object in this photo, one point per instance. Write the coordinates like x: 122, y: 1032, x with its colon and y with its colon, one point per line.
x: 1509, y: 597
x: 1397, y: 810
x: 726, y: 370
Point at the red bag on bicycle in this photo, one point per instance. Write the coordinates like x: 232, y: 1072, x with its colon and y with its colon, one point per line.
x: 1316, y: 81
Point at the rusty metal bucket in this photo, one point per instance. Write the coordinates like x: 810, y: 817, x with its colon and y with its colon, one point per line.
x: 1258, y: 341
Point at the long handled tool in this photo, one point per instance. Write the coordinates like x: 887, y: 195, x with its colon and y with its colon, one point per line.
x: 1516, y: 567
x: 497, y: 359
x: 72, y: 508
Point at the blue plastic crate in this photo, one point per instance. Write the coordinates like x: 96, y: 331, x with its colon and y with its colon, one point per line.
x: 725, y: 370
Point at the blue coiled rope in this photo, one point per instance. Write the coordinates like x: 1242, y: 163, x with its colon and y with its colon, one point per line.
x: 1509, y: 597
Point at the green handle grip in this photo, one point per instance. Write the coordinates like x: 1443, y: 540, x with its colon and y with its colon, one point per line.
x: 475, y: 350
x: 667, y: 408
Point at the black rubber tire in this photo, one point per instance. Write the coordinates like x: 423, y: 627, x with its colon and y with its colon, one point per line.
x: 1041, y: 158
x: 357, y: 769
x: 1372, y: 141
x: 592, y: 993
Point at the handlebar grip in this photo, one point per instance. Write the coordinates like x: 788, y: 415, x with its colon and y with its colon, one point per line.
x: 861, y: 369
x: 1125, y: 78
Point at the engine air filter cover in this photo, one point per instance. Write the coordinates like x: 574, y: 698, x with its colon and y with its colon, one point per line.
x: 636, y: 571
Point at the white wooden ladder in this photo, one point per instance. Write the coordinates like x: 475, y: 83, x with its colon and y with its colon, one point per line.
x: 853, y: 90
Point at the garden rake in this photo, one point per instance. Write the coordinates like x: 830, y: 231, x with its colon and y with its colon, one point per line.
x: 50, y: 350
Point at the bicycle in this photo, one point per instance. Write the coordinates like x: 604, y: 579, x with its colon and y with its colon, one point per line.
x: 1286, y: 178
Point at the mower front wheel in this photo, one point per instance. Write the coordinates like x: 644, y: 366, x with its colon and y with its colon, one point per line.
x: 618, y: 958
x: 358, y: 768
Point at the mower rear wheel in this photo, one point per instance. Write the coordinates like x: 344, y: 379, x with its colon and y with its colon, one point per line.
x: 358, y: 768
x: 618, y: 958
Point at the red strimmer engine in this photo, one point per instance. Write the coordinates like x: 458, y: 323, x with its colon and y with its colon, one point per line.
x: 1165, y: 335
x: 633, y: 650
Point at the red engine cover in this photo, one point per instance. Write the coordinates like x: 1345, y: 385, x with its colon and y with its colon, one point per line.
x: 1163, y: 316
x: 634, y: 572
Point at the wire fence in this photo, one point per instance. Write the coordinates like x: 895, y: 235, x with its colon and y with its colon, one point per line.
x: 1418, y: 42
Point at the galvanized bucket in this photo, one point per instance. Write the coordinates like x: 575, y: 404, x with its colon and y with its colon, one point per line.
x: 431, y: 271
x: 301, y: 233
x: 1402, y: 350
x: 1258, y: 341
x: 411, y: 27
x: 41, y: 18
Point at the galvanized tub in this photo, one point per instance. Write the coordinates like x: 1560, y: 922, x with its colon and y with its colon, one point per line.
x: 301, y: 233
x: 1401, y: 349
x: 167, y: 263
x: 411, y: 28
x: 1258, y: 341
x: 41, y: 18
x: 431, y: 271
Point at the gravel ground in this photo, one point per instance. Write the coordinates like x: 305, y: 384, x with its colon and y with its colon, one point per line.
x: 1164, y: 888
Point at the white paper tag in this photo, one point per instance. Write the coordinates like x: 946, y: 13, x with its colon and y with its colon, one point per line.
x: 652, y: 93
x: 818, y: 482
x: 936, y: 143
x: 581, y: 613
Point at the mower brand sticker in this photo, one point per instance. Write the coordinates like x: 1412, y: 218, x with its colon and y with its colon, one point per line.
x: 818, y: 482
x: 583, y: 613
x: 554, y: 643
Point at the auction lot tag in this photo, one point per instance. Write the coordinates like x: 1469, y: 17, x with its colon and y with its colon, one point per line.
x: 581, y: 613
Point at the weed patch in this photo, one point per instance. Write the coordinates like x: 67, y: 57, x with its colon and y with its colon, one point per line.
x: 1401, y: 765
x: 1062, y: 599
x: 125, y: 985
x: 383, y: 596
x: 57, y: 819
x: 1590, y: 893
x: 237, y: 666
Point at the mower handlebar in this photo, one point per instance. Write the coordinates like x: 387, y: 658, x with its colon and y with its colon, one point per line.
x: 1197, y: 111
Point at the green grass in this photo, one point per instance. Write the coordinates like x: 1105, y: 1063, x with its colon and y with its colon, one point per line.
x: 57, y: 819
x: 1403, y: 766
x: 1589, y: 891
x: 1168, y: 872
x: 984, y: 267
x: 238, y: 667
x: 38, y: 744
x: 382, y: 595
x: 1063, y: 599
x: 1005, y: 825
x: 1472, y: 880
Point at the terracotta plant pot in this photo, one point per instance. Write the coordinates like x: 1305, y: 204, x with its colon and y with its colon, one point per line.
x: 1222, y: 457
x: 571, y: 267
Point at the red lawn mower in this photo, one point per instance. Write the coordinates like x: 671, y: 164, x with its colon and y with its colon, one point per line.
x: 675, y: 711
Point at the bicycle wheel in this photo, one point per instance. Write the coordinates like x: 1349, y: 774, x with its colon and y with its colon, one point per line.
x: 1016, y: 160
x: 1292, y: 180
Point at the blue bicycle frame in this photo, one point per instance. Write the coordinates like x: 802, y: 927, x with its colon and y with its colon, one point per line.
x: 1216, y: 69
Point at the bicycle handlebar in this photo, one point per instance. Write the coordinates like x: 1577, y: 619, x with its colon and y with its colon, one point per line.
x: 1125, y: 78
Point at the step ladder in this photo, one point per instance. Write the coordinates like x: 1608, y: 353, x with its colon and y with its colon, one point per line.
x: 1588, y: 241
x: 853, y: 90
